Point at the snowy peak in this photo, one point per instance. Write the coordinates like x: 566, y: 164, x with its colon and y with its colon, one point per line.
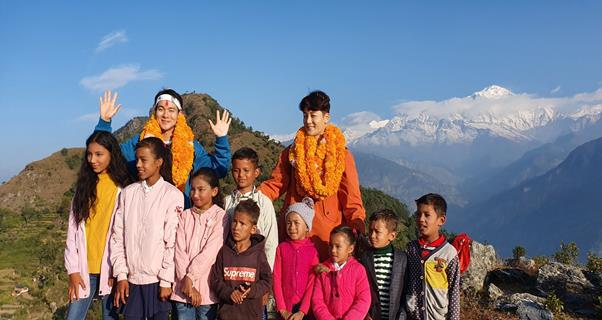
x: 492, y: 92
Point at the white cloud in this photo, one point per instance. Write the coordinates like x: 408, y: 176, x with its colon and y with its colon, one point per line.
x: 118, y: 77
x: 111, y: 39
x: 555, y: 90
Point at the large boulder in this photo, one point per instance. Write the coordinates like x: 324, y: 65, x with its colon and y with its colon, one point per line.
x: 513, y: 280
x: 570, y: 284
x: 482, y: 260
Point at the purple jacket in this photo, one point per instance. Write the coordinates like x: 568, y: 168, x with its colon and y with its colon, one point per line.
x: 76, y: 255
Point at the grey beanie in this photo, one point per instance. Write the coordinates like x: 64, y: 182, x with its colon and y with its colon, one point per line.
x: 305, y: 209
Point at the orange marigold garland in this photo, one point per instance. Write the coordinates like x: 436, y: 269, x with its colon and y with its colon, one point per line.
x: 182, y: 147
x: 319, y: 165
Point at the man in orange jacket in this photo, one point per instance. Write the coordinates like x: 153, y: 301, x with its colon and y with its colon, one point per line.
x: 318, y: 165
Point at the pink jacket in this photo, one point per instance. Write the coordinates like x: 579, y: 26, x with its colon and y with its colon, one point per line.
x: 76, y: 255
x: 144, y: 233
x: 293, y: 274
x: 343, y: 294
x: 198, y: 241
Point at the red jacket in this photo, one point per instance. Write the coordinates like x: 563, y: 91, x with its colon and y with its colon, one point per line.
x: 343, y: 207
x: 343, y: 294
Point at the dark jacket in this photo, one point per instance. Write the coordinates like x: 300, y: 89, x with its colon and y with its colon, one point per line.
x: 398, y: 279
x: 232, y: 270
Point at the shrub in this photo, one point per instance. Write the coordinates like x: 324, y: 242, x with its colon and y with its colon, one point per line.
x: 567, y: 254
x: 594, y: 263
x: 518, y: 252
x: 73, y: 161
x: 554, y: 304
x: 540, y: 261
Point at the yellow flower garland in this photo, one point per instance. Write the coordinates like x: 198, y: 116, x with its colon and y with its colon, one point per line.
x: 182, y: 147
x: 319, y: 165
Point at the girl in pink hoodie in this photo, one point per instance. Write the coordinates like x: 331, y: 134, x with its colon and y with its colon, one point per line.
x: 344, y: 291
x: 102, y: 174
x: 295, y: 259
x: 144, y: 235
x: 199, y: 238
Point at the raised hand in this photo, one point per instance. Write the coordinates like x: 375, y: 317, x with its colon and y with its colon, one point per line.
x: 107, y: 105
x: 222, y: 124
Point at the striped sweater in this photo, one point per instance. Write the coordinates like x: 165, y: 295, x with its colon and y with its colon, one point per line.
x: 433, y: 291
x: 383, y: 263
x: 386, y: 269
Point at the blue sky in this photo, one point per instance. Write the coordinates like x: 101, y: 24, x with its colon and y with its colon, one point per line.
x: 260, y: 58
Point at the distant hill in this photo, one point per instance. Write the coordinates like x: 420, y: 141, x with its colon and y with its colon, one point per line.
x: 561, y: 205
x: 399, y: 181
x: 42, y: 183
x: 533, y: 163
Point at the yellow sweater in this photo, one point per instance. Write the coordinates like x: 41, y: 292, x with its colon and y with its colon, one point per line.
x: 97, y: 225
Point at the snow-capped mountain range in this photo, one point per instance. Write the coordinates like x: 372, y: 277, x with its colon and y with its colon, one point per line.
x: 493, y: 111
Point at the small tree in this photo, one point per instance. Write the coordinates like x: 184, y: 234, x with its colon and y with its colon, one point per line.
x: 519, y: 252
x: 594, y: 262
x: 554, y: 304
x: 567, y: 254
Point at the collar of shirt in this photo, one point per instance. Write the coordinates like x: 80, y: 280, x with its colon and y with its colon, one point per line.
x: 338, y: 267
x: 148, y: 188
x: 245, y: 196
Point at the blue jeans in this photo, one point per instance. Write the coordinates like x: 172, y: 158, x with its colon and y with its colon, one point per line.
x: 186, y: 311
x: 78, y: 309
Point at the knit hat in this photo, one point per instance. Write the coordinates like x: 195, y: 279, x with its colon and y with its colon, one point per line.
x: 305, y: 209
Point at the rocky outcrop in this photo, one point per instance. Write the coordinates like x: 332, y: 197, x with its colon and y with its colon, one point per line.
x: 570, y: 284
x: 482, y: 260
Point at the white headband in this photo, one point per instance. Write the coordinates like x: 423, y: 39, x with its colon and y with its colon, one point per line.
x: 170, y: 98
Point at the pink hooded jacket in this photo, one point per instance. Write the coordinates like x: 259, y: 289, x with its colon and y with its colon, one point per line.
x: 198, y: 241
x: 76, y: 255
x: 343, y: 294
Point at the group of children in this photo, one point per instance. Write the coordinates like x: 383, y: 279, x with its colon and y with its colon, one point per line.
x: 135, y: 245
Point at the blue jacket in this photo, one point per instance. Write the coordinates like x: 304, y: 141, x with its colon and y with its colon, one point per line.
x: 220, y: 161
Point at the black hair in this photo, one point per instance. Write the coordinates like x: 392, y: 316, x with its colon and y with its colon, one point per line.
x: 158, y: 148
x: 85, y: 186
x: 172, y: 93
x: 435, y: 200
x: 249, y: 207
x: 315, y: 101
x: 347, y: 231
x: 208, y: 175
x: 246, y: 153
x: 388, y: 216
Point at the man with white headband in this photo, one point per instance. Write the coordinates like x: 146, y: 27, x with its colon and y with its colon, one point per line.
x: 168, y: 122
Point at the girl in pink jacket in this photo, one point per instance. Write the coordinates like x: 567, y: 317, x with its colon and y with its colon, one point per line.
x: 199, y: 238
x: 295, y: 259
x: 144, y: 235
x: 102, y: 174
x: 344, y: 291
